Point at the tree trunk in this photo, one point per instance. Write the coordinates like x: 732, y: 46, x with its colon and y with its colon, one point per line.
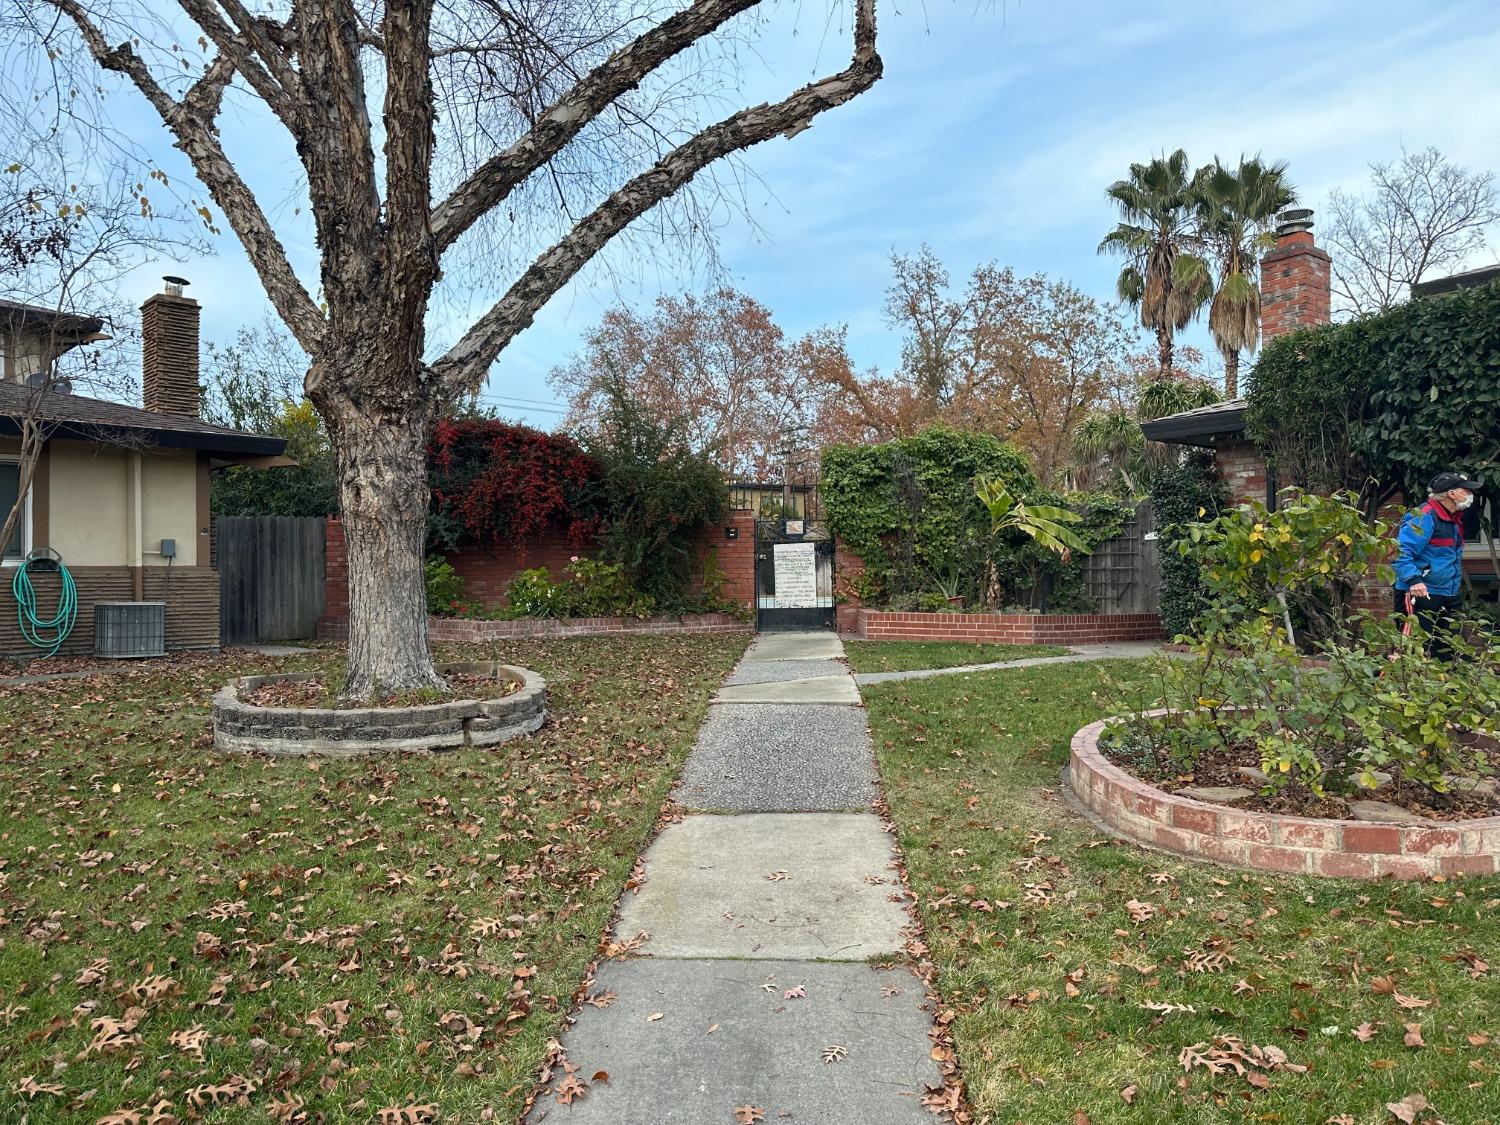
x: 1232, y: 374
x: 383, y: 491
x: 1164, y: 349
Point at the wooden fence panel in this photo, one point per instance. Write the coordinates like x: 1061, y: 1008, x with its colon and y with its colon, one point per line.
x: 270, y: 578
x: 1124, y: 574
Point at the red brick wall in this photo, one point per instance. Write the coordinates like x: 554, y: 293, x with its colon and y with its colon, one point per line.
x: 1294, y: 285
x: 1242, y: 468
x: 487, y: 573
x: 1009, y: 628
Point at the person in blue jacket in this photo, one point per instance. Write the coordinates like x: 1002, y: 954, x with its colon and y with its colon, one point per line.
x: 1429, y: 557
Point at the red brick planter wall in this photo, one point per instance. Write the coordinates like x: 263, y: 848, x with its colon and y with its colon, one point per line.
x: 1268, y: 842
x: 461, y: 630
x: 1006, y: 628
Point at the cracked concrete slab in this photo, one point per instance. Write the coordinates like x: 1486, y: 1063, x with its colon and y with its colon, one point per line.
x: 765, y: 1049
x: 795, y: 646
x: 764, y: 758
x: 709, y: 890
x: 775, y: 671
x: 838, y: 689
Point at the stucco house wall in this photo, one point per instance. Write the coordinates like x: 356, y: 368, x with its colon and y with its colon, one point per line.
x: 113, y: 481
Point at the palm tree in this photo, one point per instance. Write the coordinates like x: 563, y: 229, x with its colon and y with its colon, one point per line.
x: 1109, y: 447
x: 1236, y: 210
x: 1163, y: 275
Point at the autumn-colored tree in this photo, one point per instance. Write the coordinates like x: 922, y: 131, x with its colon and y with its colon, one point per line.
x: 1025, y: 358
x: 717, y: 364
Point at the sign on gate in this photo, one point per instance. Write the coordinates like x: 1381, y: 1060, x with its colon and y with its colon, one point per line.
x: 796, y: 570
x: 793, y: 575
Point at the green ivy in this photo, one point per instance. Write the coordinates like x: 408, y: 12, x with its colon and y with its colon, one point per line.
x: 1384, y: 402
x: 1181, y: 497
x: 907, y: 507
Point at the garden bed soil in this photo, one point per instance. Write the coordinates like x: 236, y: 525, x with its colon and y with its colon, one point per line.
x: 319, y: 694
x: 1226, y: 768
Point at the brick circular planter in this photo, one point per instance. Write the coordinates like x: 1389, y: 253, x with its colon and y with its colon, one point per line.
x: 241, y: 726
x: 1144, y: 814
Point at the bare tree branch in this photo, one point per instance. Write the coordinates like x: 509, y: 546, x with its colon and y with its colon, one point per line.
x: 198, y: 139
x: 464, y: 367
x: 493, y: 180
x: 279, y: 92
x: 1425, y: 214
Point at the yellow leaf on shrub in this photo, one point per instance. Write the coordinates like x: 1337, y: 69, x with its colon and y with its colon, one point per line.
x: 1255, y: 557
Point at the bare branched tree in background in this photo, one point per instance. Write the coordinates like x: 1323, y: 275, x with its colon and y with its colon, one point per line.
x: 423, y: 129
x: 1424, y: 216
x: 64, y: 248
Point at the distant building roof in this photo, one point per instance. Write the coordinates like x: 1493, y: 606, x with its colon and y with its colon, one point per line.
x: 1197, y: 427
x: 15, y: 317
x: 94, y: 419
x: 1451, y: 284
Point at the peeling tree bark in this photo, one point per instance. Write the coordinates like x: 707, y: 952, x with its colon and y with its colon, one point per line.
x: 380, y: 258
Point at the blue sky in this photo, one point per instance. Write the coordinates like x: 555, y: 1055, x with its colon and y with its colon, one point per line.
x: 992, y: 136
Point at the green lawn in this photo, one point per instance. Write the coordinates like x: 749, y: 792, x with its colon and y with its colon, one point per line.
x: 904, y: 656
x: 1052, y: 942
x: 340, y: 936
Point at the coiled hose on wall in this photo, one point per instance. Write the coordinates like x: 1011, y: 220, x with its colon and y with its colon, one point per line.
x: 49, y: 633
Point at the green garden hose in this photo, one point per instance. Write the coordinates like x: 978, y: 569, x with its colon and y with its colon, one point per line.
x: 51, y: 633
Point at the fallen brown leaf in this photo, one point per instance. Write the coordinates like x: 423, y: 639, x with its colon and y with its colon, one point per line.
x: 1408, y: 1107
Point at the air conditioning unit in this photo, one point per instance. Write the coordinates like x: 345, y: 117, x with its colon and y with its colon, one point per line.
x: 130, y: 629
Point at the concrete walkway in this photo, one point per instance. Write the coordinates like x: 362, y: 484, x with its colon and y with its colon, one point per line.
x: 1122, y: 650
x: 762, y: 907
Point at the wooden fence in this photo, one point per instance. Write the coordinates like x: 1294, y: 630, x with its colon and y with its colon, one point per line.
x: 270, y: 578
x: 1124, y: 574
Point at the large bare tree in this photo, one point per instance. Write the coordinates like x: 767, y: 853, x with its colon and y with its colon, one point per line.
x: 1424, y: 216
x: 382, y: 101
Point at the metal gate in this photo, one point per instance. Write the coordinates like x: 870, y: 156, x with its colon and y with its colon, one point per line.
x: 270, y: 578
x: 793, y: 575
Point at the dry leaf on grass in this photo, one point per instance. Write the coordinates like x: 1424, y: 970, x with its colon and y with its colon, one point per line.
x: 234, y: 1090
x: 407, y: 1114
x: 1140, y: 911
x: 158, y: 1114
x: 1407, y: 1108
x: 1364, y: 1032
x: 30, y: 1087
x: 191, y: 1041
x: 1413, y: 1036
x: 1410, y: 1001
x: 1127, y: 1095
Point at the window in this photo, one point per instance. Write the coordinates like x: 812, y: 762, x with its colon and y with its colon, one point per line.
x: 10, y: 486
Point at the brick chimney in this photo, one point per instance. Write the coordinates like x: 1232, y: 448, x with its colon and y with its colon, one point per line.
x: 169, y: 339
x: 1294, y: 278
